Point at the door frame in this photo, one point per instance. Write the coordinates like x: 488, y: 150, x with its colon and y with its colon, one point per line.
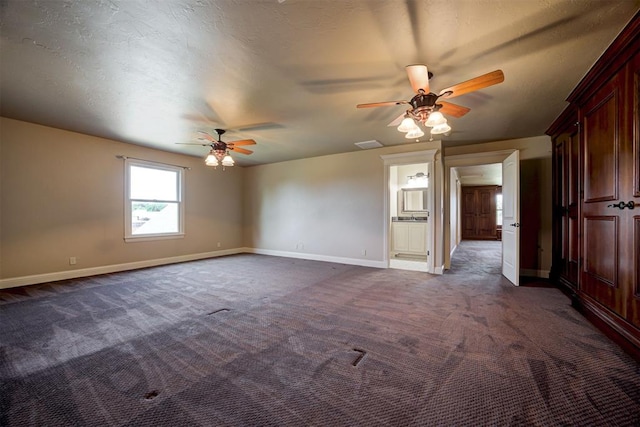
x: 431, y: 157
x: 458, y: 160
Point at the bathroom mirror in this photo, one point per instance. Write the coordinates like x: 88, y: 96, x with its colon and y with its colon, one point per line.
x: 413, y: 200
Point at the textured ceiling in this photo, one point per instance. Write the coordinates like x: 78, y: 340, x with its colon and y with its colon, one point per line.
x: 289, y: 73
x: 480, y: 175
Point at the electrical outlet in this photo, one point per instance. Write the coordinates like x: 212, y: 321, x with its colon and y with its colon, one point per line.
x: 364, y: 252
x: 72, y: 260
x: 218, y: 244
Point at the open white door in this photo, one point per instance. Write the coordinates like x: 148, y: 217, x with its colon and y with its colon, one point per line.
x: 511, y: 218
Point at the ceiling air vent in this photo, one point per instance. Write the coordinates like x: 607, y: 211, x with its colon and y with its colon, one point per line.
x: 365, y: 145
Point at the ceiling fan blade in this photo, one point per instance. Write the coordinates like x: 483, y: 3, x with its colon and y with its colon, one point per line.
x: 397, y: 120
x: 381, y: 104
x: 194, y: 143
x: 243, y: 142
x: 204, y: 135
x: 474, y: 84
x: 419, y: 77
x: 453, y: 109
x: 241, y: 150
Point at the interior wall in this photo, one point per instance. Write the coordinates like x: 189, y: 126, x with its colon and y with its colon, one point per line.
x: 329, y: 206
x: 62, y: 195
x: 535, y: 229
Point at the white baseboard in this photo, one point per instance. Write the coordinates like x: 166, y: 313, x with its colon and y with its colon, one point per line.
x: 13, y: 282
x: 534, y: 273
x: 316, y: 257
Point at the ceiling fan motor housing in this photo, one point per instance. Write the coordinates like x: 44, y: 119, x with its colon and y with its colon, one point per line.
x: 423, y: 105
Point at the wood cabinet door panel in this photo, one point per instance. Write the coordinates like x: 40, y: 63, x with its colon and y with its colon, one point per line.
x: 636, y: 126
x: 601, y: 131
x: 487, y: 202
x: 599, y: 233
x: 418, y: 238
x: 400, y: 237
x: 600, y: 278
x: 573, y: 167
x: 468, y: 202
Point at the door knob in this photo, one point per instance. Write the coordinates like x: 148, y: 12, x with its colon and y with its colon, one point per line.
x: 515, y: 224
x: 631, y: 204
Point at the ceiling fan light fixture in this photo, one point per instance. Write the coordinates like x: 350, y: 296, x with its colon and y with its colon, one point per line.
x: 440, y: 129
x: 227, y: 160
x: 436, y: 118
x: 406, y: 125
x: 414, y: 133
x: 211, y: 159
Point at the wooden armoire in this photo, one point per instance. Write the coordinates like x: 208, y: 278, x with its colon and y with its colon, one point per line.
x: 596, y: 199
x: 479, y: 212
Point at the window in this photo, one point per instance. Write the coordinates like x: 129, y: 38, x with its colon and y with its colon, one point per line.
x: 499, y: 209
x: 153, y: 201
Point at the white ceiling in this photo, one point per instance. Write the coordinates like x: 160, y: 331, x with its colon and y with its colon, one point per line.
x: 289, y: 73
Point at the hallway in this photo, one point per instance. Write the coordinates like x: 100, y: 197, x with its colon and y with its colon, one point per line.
x: 477, y: 257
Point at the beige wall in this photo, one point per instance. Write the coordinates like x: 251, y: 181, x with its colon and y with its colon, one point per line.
x: 61, y: 195
x: 330, y: 206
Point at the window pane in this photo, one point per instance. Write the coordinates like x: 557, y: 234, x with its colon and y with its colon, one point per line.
x: 153, y: 184
x: 498, y: 209
x: 154, y: 218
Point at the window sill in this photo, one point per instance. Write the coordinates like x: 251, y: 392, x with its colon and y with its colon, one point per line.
x: 150, y: 237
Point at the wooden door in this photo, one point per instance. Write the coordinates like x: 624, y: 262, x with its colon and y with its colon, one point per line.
x: 486, y: 219
x: 607, y: 269
x: 572, y: 200
x: 479, y: 212
x: 566, y: 205
x: 633, y: 172
x: 468, y: 213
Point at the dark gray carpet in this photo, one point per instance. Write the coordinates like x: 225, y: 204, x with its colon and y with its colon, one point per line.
x: 256, y: 340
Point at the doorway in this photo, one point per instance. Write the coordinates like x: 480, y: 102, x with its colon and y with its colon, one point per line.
x: 409, y: 206
x: 484, y: 175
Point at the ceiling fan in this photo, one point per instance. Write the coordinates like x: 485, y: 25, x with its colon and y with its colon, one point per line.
x: 219, y: 153
x: 427, y: 107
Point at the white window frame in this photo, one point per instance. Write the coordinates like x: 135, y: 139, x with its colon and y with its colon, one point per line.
x: 128, y: 234
x: 499, y: 210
